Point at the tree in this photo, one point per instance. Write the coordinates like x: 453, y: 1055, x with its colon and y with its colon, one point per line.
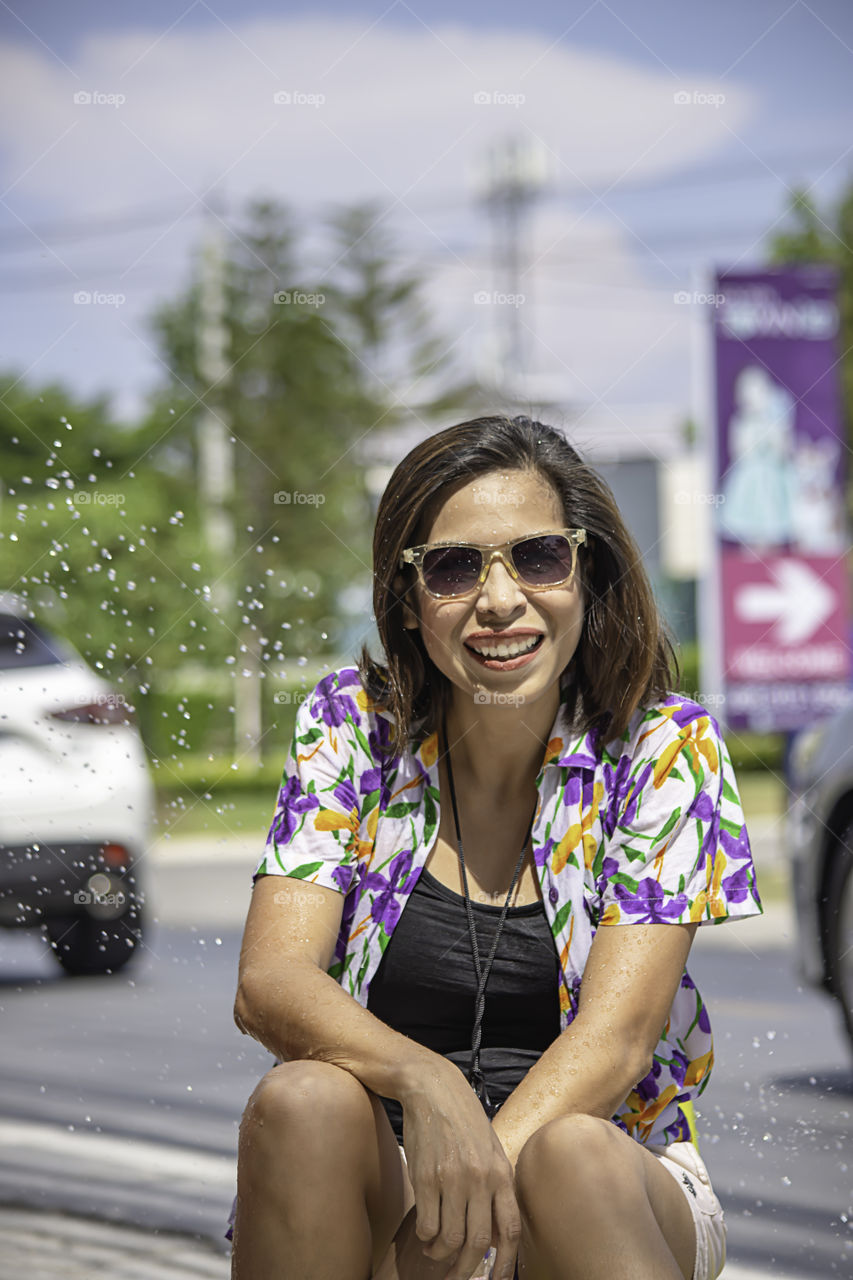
x: 103, y: 527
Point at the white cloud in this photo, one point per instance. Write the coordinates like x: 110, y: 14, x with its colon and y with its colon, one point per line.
x: 375, y: 113
x: 398, y: 111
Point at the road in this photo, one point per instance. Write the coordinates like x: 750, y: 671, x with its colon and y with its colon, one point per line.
x: 121, y: 1096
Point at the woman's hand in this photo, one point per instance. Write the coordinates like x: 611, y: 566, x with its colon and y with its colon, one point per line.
x: 461, y: 1177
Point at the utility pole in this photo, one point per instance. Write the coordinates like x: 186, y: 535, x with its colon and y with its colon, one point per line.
x: 216, y: 491
x: 511, y: 179
x: 215, y: 454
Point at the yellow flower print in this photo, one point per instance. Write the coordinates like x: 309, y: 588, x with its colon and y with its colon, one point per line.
x: 429, y: 750
x: 698, y: 1069
x: 333, y: 820
x: 364, y: 702
x: 692, y: 739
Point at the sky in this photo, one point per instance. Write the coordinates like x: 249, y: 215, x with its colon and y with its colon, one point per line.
x: 668, y: 137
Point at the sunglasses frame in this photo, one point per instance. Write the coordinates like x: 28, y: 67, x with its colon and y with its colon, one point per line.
x: 490, y: 553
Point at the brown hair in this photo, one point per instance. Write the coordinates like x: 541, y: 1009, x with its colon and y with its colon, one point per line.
x: 626, y: 655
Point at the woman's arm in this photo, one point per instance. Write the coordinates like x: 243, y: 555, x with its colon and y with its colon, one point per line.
x: 288, y: 1002
x: 461, y: 1178
x: 628, y: 987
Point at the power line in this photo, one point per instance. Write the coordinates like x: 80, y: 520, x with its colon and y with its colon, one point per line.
x: 609, y: 185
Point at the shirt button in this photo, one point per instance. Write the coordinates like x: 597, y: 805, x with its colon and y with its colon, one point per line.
x: 553, y: 894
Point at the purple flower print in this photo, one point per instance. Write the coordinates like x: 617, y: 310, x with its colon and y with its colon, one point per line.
x: 291, y: 803
x: 617, y: 783
x: 379, y: 738
x: 347, y: 796
x: 385, y: 909
x: 678, y: 1067
x: 609, y: 867
x: 342, y: 876
x: 650, y: 902
x: 647, y: 1088
x: 542, y: 852
x: 625, y: 819
x: 334, y: 707
x: 703, y: 807
x: 374, y: 780
x: 736, y: 846
x: 572, y: 790
x: 736, y: 886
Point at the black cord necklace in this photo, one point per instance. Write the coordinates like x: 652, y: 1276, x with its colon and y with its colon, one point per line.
x: 476, y: 1079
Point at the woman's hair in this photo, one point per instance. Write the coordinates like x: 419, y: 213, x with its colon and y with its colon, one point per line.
x: 625, y: 657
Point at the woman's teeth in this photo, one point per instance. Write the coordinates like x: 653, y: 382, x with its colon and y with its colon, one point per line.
x: 505, y: 648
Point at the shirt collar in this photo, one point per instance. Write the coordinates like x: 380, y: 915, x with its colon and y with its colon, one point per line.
x: 568, y: 746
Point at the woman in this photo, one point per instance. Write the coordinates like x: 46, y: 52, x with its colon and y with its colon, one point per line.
x: 474, y: 1059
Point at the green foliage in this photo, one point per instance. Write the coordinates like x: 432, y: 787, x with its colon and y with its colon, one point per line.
x: 107, y: 530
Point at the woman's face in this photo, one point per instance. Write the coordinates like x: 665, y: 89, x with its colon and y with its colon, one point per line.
x: 542, y: 627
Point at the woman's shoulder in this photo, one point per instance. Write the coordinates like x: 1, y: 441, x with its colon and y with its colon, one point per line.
x: 340, y: 703
x: 665, y: 724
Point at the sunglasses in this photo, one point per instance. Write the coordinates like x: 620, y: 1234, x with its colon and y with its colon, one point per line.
x: 455, y: 569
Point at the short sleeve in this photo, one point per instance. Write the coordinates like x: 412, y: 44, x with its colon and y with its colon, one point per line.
x: 314, y: 834
x: 678, y: 849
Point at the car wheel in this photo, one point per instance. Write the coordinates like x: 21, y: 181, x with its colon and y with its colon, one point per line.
x: 840, y: 926
x: 86, y: 946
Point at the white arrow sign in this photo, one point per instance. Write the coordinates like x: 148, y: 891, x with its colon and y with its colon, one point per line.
x: 798, y: 601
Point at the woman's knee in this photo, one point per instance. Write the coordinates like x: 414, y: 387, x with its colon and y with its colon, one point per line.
x: 577, y: 1153
x: 304, y: 1094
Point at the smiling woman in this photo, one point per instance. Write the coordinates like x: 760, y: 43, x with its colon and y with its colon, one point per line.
x: 476, y: 1072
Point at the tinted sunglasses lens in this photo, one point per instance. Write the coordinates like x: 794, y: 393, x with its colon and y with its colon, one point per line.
x: 451, y: 571
x: 544, y: 561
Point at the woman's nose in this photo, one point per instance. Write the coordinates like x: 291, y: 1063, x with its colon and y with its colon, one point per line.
x: 500, y: 593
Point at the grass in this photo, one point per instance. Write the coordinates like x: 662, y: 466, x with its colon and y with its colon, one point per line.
x: 762, y: 794
x: 238, y: 813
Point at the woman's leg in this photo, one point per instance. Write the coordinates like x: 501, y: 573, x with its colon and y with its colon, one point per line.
x: 596, y: 1206
x: 320, y: 1186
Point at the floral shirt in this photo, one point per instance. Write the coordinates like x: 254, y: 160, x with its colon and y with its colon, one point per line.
x: 645, y: 828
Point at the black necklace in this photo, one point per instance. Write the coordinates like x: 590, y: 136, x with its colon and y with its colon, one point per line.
x: 476, y: 1079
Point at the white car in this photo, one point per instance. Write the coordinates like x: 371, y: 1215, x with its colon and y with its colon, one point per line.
x: 76, y: 800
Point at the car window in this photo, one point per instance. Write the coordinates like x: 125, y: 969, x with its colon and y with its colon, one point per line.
x: 25, y: 644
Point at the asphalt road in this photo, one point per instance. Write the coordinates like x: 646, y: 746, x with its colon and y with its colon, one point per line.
x: 120, y: 1097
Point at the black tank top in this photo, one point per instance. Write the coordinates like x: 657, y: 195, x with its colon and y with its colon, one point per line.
x: 425, y: 985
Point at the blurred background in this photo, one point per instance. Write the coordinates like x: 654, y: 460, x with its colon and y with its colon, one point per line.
x: 250, y: 254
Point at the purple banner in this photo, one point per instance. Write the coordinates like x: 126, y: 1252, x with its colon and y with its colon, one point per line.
x: 780, y: 469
